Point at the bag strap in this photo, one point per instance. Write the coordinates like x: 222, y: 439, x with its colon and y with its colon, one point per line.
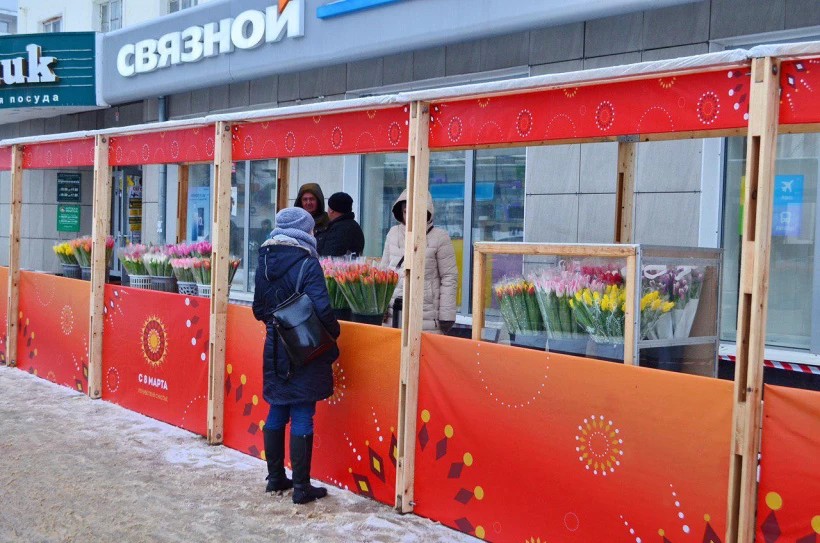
x: 401, y: 260
x: 301, y: 273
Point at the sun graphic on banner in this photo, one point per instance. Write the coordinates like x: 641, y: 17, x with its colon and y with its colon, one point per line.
x: 154, y: 341
x: 599, y: 445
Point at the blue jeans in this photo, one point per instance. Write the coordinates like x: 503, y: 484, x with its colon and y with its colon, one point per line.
x: 299, y: 414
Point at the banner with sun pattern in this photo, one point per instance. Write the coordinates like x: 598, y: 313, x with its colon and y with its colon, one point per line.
x: 155, y: 355
x: 789, y: 490
x: 518, y: 445
x: 355, y: 429
x: 52, y: 332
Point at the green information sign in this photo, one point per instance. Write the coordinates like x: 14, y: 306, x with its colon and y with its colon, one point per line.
x: 68, y: 218
x: 68, y: 187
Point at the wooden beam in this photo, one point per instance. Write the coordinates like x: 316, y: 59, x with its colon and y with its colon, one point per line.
x: 282, y: 182
x: 220, y: 260
x: 415, y: 245
x: 556, y: 249
x: 631, y: 310
x: 753, y: 298
x: 182, y: 202
x: 16, y: 211
x: 479, y: 276
x: 100, y: 227
x: 625, y: 193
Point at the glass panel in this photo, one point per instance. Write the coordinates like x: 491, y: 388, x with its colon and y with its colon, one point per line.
x: 199, y: 202
x: 104, y: 24
x: 116, y: 15
x: 173, y: 6
x: 236, y: 245
x: 793, y: 237
x: 498, y: 207
x: 262, y: 208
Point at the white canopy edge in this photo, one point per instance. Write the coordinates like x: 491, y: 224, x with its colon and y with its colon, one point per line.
x: 803, y: 49
x: 338, y: 106
x: 708, y: 60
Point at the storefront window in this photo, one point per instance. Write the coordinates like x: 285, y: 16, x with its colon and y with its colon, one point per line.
x: 794, y: 230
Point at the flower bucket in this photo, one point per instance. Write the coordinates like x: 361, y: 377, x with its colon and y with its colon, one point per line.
x: 576, y: 346
x: 203, y: 290
x: 140, y: 281
x: 163, y: 284
x: 537, y: 342
x: 368, y: 319
x: 71, y: 271
x: 85, y: 273
x: 613, y: 352
x: 343, y: 314
x: 187, y: 288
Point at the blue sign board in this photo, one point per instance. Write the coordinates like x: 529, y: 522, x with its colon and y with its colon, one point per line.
x: 346, y: 7
x: 788, y: 205
x: 48, y: 70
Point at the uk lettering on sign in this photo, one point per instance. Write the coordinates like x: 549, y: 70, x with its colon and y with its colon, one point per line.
x: 248, y: 30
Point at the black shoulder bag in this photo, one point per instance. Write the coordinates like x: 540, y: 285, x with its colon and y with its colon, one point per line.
x: 302, y: 332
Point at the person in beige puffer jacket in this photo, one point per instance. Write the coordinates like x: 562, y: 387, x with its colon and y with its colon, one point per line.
x: 440, y: 270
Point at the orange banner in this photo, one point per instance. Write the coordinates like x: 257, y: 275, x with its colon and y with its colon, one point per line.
x: 52, y: 333
x: 789, y: 491
x: 155, y: 355
x: 518, y: 445
x: 356, y: 429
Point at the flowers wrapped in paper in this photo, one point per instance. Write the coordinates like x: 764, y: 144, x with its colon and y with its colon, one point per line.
x: 158, y: 263
x: 681, y: 286
x: 65, y: 253
x: 131, y: 259
x: 367, y: 288
x: 331, y: 267
x: 554, y: 289
x: 183, y: 269
x: 600, y: 310
x: 519, y: 306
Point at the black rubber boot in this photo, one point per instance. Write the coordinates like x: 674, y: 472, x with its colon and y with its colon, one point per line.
x: 275, y: 457
x: 301, y: 453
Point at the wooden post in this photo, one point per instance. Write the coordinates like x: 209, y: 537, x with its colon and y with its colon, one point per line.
x: 415, y: 245
x: 753, y: 298
x: 282, y: 183
x: 625, y: 193
x: 16, y: 211
x: 182, y: 203
x: 631, y: 308
x: 221, y: 234
x: 479, y: 271
x: 100, y: 227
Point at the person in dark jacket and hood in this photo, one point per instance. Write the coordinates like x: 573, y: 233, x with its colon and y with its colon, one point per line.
x: 343, y: 236
x: 311, y: 198
x: 291, y: 251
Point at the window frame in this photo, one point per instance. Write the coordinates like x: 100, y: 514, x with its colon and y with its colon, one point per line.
x: 47, y: 25
x: 104, y: 20
x: 180, y: 5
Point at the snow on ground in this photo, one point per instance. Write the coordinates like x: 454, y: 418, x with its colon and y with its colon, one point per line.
x: 79, y: 470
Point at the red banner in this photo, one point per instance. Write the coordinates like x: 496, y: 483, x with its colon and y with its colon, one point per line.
x: 518, y: 445
x: 167, y: 147
x: 789, y: 491
x: 799, y: 88
x: 5, y: 158
x: 59, y: 154
x: 4, y: 308
x: 155, y: 359
x: 355, y: 132
x: 52, y: 333
x: 696, y: 102
x: 356, y: 429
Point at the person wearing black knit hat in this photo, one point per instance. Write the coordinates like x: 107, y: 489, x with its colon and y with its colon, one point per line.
x: 343, y: 235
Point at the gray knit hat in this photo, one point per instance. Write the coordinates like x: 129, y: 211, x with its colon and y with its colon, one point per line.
x: 293, y: 218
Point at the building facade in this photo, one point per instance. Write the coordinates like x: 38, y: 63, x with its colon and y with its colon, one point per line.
x: 687, y: 192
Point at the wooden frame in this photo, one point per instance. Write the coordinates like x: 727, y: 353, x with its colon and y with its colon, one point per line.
x: 482, y: 250
x: 100, y: 227
x: 415, y: 245
x: 15, y: 215
x: 182, y: 202
x: 282, y: 182
x: 625, y: 193
x: 753, y: 299
x: 220, y: 261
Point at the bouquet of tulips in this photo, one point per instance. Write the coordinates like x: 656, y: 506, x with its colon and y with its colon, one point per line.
x: 600, y: 310
x: 519, y: 306
x: 202, y: 270
x: 82, y: 250
x: 233, y: 265
x: 183, y: 269
x: 157, y: 263
x: 331, y: 267
x: 131, y: 258
x: 554, y: 289
x: 65, y: 253
x: 653, y: 308
x: 368, y: 288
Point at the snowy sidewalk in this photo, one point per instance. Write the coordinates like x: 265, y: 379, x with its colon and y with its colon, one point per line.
x: 79, y: 470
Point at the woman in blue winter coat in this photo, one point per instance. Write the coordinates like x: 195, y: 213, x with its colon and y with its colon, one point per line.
x: 292, y: 393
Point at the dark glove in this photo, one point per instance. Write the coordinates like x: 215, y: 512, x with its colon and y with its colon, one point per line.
x: 445, y: 326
